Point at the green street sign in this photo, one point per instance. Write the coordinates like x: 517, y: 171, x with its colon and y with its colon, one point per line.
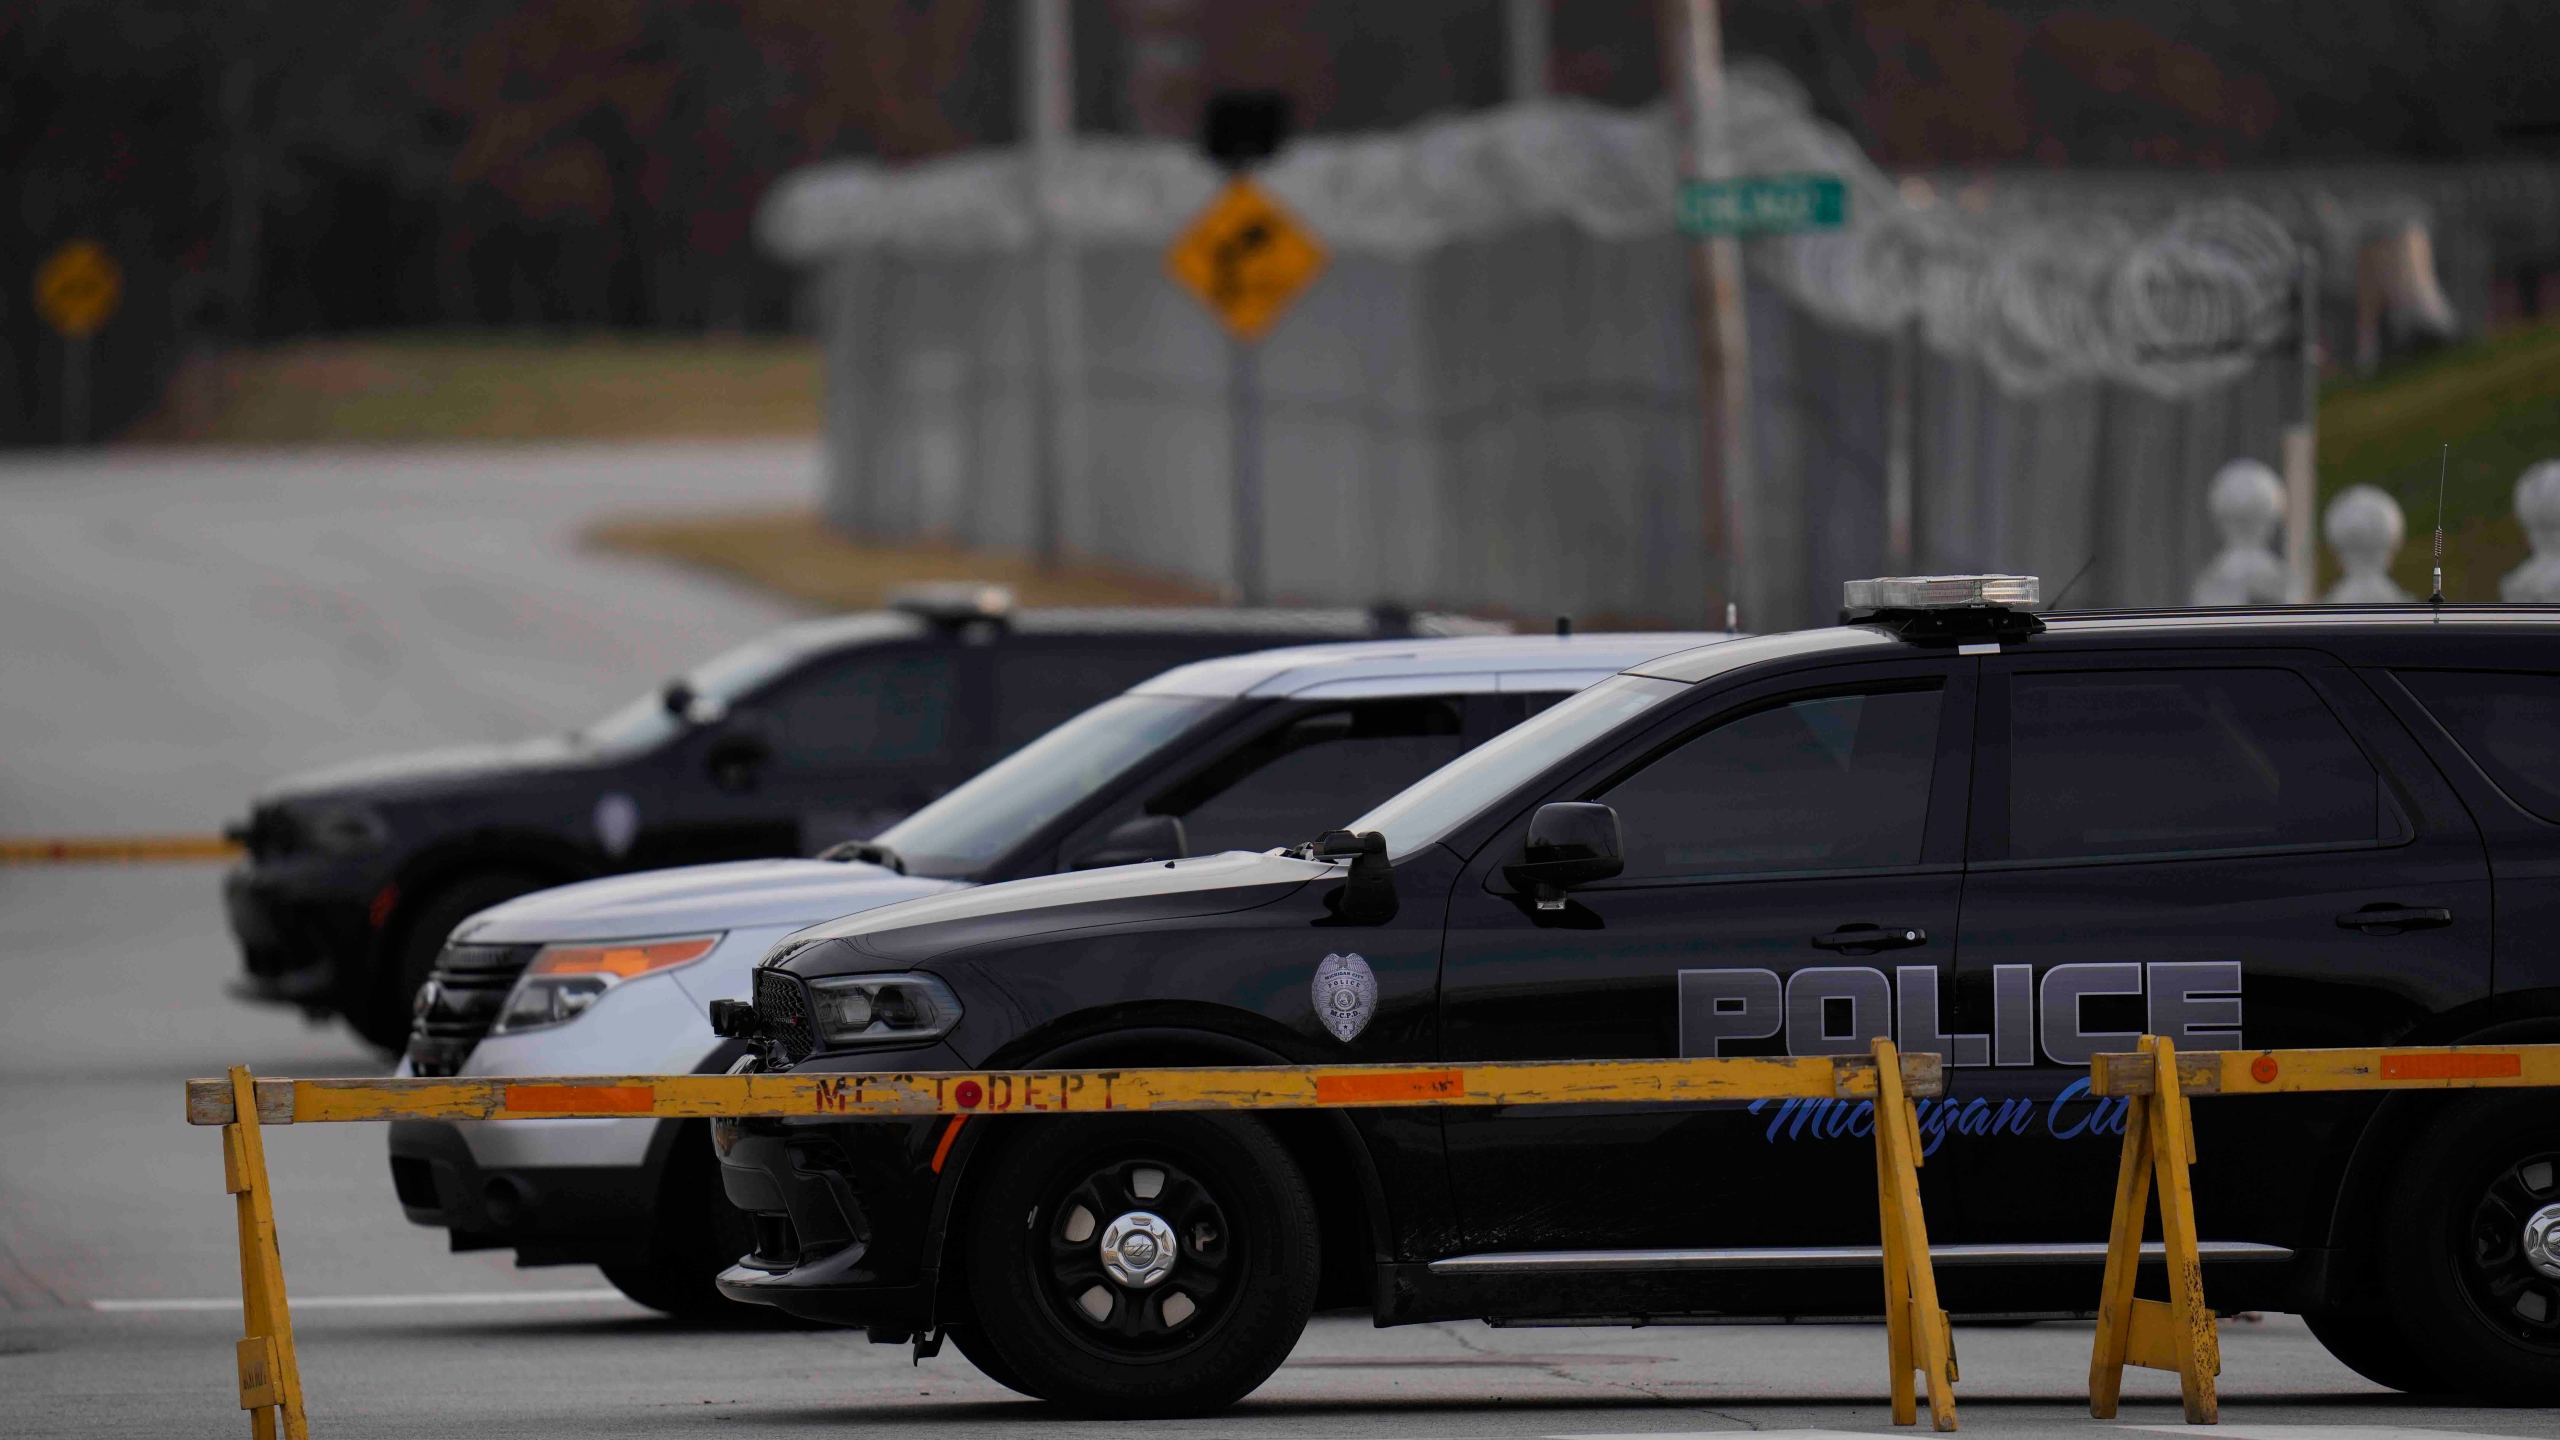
x: 1764, y: 204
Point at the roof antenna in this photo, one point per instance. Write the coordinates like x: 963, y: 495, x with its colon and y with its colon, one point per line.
x: 2067, y: 585
x: 2443, y: 463
x: 1732, y: 618
x: 1564, y: 627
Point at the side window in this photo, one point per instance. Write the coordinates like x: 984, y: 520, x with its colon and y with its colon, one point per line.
x: 1314, y: 773
x: 2167, y: 761
x: 2508, y: 723
x: 869, y: 707
x: 1042, y: 683
x: 1831, y: 782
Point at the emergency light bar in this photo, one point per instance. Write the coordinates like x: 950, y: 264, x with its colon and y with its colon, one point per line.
x: 953, y: 602
x: 1940, y: 592
x: 1923, y: 608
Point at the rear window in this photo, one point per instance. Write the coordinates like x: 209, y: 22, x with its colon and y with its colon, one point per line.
x: 2163, y: 762
x: 2508, y: 723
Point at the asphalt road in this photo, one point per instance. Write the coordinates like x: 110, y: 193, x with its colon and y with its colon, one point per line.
x: 179, y: 629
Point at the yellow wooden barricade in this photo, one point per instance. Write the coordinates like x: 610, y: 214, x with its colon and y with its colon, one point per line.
x: 115, y: 849
x: 270, y: 1373
x: 2180, y: 1334
x: 1918, y: 1338
x: 2177, y: 1334
x: 1917, y: 1335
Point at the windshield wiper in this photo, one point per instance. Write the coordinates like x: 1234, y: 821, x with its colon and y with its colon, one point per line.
x: 869, y: 852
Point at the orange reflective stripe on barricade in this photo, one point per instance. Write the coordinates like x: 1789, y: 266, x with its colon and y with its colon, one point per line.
x: 2285, y: 1072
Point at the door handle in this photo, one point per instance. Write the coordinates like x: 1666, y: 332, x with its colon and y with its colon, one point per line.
x: 1868, y: 939
x: 2393, y: 919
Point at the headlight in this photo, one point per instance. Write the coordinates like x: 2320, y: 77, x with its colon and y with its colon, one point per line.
x: 342, y: 829
x: 882, y: 1009
x: 564, y: 980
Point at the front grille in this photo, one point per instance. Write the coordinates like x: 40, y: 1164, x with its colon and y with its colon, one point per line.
x: 460, y: 1001
x: 782, y: 1013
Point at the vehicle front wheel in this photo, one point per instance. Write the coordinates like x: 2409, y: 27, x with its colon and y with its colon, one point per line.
x: 2373, y: 1347
x: 2473, y: 1266
x: 385, y: 1015
x: 1139, y: 1267
x: 965, y: 1339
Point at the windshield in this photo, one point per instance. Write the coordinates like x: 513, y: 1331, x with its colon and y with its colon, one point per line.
x: 1436, y: 804
x: 961, y: 833
x: 717, y: 684
x: 720, y: 683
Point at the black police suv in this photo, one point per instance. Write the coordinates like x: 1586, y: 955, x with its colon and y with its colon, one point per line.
x: 2017, y: 841
x: 820, y: 732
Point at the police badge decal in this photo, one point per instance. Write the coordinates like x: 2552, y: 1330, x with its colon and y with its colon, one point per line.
x: 1346, y: 994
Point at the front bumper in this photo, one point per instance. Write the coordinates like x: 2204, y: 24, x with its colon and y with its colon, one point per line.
x: 302, y: 930
x: 549, y: 1215
x: 844, y: 1214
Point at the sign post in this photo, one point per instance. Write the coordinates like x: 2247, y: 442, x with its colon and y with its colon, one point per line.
x: 1693, y: 36
x: 76, y: 290
x: 1247, y: 259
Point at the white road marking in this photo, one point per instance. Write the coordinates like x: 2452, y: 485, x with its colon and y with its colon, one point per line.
x: 2223, y: 1431
x: 379, y: 1302
x: 2227, y: 1431
x: 1726, y: 1434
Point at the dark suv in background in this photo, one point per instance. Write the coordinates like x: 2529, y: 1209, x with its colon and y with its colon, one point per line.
x: 820, y: 732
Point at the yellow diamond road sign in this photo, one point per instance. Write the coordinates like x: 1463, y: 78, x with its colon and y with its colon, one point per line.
x: 1246, y: 258
x: 77, y: 287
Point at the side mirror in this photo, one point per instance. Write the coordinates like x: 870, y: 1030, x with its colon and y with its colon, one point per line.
x: 1135, y: 841
x: 1368, y: 894
x: 678, y: 699
x: 1570, y: 843
x: 735, y: 756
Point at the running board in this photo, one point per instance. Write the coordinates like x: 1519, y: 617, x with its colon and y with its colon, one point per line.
x: 1821, y: 1257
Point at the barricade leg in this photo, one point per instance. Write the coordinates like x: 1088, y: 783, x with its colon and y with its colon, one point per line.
x: 270, y: 1376
x: 2124, y: 1258
x: 2178, y: 1334
x: 1917, y: 1336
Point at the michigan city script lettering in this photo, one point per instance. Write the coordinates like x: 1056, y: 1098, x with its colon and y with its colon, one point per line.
x: 1839, y: 1009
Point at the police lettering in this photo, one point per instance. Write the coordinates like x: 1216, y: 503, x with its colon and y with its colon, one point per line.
x: 1839, y: 1009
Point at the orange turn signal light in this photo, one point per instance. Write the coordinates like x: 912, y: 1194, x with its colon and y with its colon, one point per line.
x: 621, y: 961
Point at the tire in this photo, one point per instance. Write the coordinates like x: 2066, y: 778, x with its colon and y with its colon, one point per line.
x: 2374, y: 1347
x: 1229, y: 1301
x: 384, y: 1017
x: 695, y: 1234
x: 2477, y: 1310
x: 965, y: 1339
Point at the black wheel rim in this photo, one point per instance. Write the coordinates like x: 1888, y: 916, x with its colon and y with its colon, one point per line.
x: 2517, y: 1298
x: 1122, y: 1321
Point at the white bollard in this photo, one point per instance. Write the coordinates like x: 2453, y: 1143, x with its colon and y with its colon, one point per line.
x: 2537, y: 580
x: 2365, y: 528
x: 2247, y: 502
